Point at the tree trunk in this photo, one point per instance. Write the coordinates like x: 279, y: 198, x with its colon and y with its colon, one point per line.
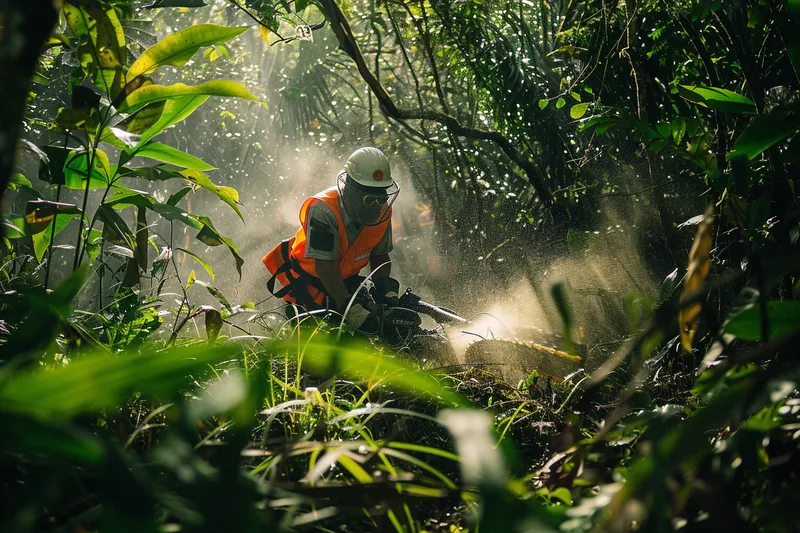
x: 24, y: 27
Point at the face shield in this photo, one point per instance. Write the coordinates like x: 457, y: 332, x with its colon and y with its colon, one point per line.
x: 369, y: 206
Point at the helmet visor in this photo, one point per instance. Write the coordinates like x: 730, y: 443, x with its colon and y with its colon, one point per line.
x: 369, y: 206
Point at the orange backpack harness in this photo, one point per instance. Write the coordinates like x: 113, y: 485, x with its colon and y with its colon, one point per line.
x: 297, y: 273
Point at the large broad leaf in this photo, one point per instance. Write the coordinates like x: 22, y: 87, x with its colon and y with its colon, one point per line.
x: 52, y: 169
x: 115, y: 230
x: 39, y: 213
x: 75, y: 170
x: 93, y: 382
x: 229, y: 195
x: 210, y: 236
x: 174, y: 111
x: 102, y: 49
x: 42, y: 240
x: 178, y: 48
x: 157, y: 93
x: 19, y: 182
x: 718, y: 99
x: 763, y: 132
x: 783, y: 317
x: 119, y: 138
x: 154, y: 173
x: 126, y: 198
x: 143, y: 119
x: 168, y: 154
x: 15, y: 227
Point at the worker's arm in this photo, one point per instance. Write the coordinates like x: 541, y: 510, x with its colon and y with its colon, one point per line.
x: 332, y: 281
x: 375, y: 261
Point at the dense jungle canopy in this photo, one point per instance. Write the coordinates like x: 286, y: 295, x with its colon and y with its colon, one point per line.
x: 598, y: 198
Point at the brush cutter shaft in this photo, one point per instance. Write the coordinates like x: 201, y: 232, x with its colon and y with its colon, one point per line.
x: 439, y: 314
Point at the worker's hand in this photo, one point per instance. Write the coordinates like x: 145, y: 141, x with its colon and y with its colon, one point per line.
x: 386, y: 290
x: 360, y: 318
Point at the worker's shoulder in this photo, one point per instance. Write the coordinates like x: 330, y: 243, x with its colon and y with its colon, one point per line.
x: 321, y: 214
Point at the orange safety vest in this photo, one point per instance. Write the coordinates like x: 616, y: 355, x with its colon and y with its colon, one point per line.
x: 298, y: 274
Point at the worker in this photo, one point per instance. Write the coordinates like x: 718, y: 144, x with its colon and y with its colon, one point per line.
x: 342, y: 230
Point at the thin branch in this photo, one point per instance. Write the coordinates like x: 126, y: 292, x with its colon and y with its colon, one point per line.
x: 349, y: 46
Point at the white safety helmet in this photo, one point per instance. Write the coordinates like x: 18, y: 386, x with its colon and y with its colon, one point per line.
x: 369, y: 167
x: 366, y: 188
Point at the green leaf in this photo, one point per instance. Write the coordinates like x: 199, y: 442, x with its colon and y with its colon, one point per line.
x: 15, y: 227
x: 101, y: 49
x: 178, y: 48
x: 75, y: 170
x: 168, y: 154
x: 216, y: 293
x: 156, y: 93
x: 203, y: 264
x: 213, y: 324
x: 578, y: 110
x: 678, y: 129
x: 783, y: 317
x: 52, y: 169
x: 543, y: 103
x: 229, y: 195
x: 154, y: 173
x: 42, y: 240
x: 126, y: 198
x: 143, y: 119
x: 664, y: 129
x: 176, y: 197
x: 560, y: 103
x: 174, y: 111
x: 210, y: 236
x: 575, y: 96
x: 115, y: 230
x: 93, y: 382
x: 718, y: 99
x: 763, y: 132
x: 18, y: 181
x: 119, y: 138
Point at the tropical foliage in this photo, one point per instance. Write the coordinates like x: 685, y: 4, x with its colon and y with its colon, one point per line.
x: 137, y: 396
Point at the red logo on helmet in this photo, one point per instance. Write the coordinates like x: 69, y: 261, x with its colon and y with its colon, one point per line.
x: 377, y: 175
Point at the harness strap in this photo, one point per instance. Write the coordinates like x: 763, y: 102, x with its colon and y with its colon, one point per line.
x: 297, y: 286
x: 283, y: 269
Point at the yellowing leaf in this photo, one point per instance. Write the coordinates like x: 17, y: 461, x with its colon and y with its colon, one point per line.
x: 192, y: 278
x: 178, y: 48
x: 578, y: 110
x: 156, y: 93
x: 264, y: 33
x: 696, y: 274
